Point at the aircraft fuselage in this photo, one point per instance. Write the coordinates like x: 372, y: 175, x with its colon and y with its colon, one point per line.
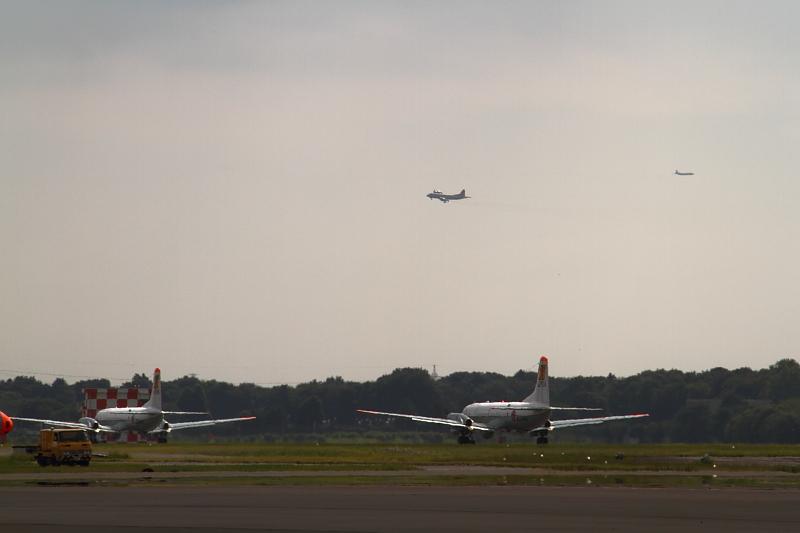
x: 138, y: 419
x: 439, y: 195
x: 512, y: 416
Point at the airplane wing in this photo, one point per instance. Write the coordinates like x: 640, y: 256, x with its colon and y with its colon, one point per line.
x: 170, y: 426
x: 432, y: 420
x: 555, y: 424
x: 575, y: 408
x: 62, y: 424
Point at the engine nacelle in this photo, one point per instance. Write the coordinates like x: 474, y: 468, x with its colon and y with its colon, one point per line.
x: 461, y: 417
x: 541, y: 432
x: 90, y: 423
x: 487, y: 434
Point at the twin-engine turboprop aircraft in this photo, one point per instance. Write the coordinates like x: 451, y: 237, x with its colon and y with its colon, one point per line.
x: 146, y: 419
x: 531, y: 415
x: 439, y: 195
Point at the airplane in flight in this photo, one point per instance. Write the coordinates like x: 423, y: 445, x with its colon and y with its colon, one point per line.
x: 684, y: 173
x: 531, y: 415
x: 439, y: 195
x: 146, y: 419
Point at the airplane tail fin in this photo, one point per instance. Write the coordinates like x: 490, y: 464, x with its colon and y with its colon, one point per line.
x: 155, y: 397
x: 541, y: 393
x: 463, y: 192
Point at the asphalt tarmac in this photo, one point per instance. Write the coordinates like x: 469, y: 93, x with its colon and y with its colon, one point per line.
x: 396, y: 508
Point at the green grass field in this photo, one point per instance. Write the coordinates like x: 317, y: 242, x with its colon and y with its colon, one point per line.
x: 668, y: 464
x: 554, y: 456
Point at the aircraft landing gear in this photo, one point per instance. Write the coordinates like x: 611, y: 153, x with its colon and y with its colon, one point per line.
x: 542, y: 437
x: 465, y: 439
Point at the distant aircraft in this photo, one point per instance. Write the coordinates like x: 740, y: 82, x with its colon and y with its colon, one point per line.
x: 439, y: 195
x: 146, y: 419
x: 684, y: 173
x: 531, y: 415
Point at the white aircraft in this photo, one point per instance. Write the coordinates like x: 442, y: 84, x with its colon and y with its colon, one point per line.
x: 531, y: 415
x: 146, y: 419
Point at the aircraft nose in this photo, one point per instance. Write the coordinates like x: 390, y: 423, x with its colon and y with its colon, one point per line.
x: 6, y: 424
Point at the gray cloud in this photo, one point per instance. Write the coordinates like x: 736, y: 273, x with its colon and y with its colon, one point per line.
x: 238, y: 189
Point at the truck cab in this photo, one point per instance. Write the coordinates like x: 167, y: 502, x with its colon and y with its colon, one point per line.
x: 64, y: 447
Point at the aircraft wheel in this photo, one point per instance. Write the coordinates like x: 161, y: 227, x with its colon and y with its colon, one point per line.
x: 472, y: 441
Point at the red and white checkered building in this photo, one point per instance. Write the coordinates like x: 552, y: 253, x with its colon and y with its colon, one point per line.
x: 96, y: 399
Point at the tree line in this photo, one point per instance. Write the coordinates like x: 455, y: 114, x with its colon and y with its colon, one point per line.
x: 717, y: 405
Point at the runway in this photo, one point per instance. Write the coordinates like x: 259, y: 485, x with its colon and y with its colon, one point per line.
x: 75, y: 474
x: 397, y: 508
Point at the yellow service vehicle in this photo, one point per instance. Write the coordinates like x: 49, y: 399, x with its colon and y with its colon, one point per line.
x: 64, y: 447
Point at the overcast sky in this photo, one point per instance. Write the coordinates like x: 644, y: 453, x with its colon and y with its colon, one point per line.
x: 237, y: 189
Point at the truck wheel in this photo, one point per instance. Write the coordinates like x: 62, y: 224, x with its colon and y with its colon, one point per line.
x: 41, y: 460
x: 54, y: 461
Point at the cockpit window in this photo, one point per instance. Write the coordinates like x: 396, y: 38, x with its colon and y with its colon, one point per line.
x: 72, y: 436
